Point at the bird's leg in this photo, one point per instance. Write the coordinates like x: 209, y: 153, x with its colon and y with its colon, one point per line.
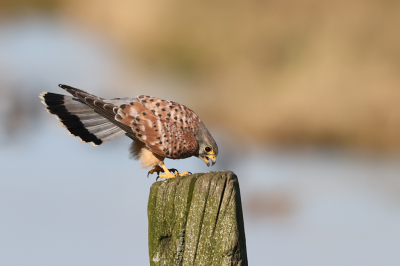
x: 168, y: 173
x: 157, y: 169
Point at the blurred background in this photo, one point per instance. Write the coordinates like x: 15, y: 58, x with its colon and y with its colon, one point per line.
x: 301, y: 96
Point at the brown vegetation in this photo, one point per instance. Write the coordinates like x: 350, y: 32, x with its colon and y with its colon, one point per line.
x: 289, y: 72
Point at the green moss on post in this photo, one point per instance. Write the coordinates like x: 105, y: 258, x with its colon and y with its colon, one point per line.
x: 197, y: 220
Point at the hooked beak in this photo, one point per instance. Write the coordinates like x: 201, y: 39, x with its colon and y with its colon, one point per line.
x: 210, y: 159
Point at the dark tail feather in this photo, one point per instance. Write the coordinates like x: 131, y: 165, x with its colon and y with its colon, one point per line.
x: 79, y: 119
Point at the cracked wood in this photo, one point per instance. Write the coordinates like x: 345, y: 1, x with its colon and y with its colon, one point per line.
x: 197, y: 220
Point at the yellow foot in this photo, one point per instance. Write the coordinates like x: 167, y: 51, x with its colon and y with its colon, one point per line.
x: 185, y: 173
x: 175, y: 174
x: 157, y: 169
x: 169, y: 173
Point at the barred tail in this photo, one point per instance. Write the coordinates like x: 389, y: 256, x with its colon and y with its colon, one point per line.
x: 79, y: 119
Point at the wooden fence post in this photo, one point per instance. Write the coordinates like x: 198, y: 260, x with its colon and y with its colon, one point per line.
x: 197, y: 220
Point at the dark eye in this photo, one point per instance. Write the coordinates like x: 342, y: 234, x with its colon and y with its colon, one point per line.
x: 207, y: 149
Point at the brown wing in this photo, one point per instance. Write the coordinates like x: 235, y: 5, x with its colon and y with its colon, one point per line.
x: 166, y: 127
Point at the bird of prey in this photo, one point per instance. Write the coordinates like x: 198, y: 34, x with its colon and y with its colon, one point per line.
x: 159, y: 128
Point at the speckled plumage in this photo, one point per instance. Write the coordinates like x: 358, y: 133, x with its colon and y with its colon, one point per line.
x: 165, y: 128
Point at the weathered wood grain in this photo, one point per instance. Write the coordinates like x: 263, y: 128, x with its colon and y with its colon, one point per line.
x: 197, y: 220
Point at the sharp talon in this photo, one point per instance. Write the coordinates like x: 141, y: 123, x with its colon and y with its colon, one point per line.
x: 173, y: 170
x: 157, y: 169
x: 152, y: 172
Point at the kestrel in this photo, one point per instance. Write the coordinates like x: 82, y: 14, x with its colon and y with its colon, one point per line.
x: 159, y: 128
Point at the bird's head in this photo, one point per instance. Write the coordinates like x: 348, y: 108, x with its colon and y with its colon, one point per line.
x: 208, y: 149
